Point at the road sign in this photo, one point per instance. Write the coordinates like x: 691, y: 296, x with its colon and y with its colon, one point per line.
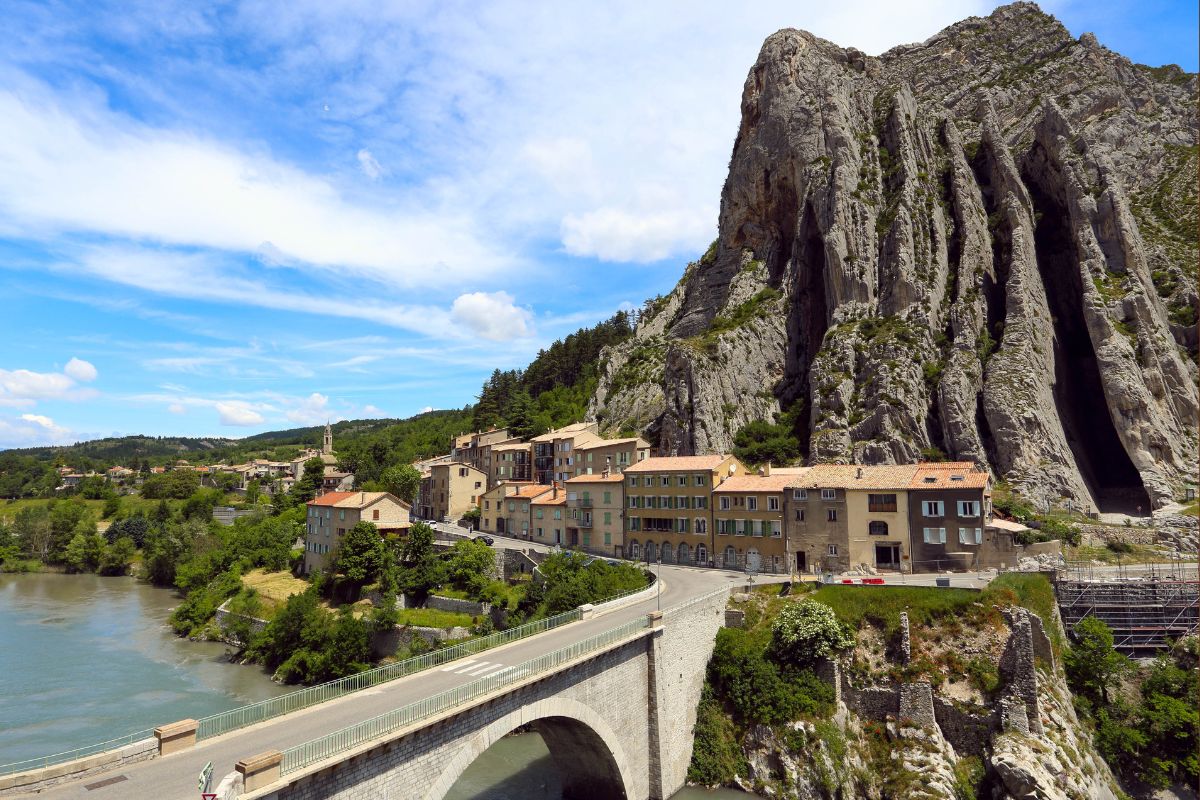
x: 205, y: 781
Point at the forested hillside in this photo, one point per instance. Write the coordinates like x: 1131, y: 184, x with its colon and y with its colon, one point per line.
x: 555, y: 388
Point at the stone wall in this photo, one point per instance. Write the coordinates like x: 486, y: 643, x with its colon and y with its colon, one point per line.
x: 969, y: 731
x: 1017, y: 666
x: 225, y: 617
x: 39, y: 780
x: 456, y: 605
x: 385, y: 643
x: 916, y: 704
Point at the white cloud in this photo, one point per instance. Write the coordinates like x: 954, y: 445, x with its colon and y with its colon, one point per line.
x: 236, y: 412
x: 177, y: 408
x: 426, y: 409
x: 368, y: 164
x: 80, y: 370
x: 313, y: 410
x: 615, y: 234
x: 492, y: 315
x: 372, y: 412
x: 32, y: 430
x: 22, y: 388
x: 69, y: 165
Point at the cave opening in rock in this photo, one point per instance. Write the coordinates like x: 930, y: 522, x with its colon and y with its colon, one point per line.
x: 808, y: 321
x: 1078, y: 390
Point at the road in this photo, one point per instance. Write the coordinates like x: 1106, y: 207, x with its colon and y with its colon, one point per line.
x: 175, y: 776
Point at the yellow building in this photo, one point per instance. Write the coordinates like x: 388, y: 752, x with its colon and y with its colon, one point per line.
x: 332, y: 514
x: 548, y: 517
x: 668, y: 508
x: 450, y: 491
x: 595, y: 521
x: 748, y: 518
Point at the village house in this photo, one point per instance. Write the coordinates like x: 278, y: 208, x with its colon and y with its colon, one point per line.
x: 595, y: 513
x: 748, y: 518
x: 667, y: 506
x: 547, y: 511
x: 554, y: 451
x: 476, y: 448
x: 331, y: 515
x: 593, y: 455
x: 511, y: 461
x: 950, y: 510
x: 506, y: 508
x: 450, y: 491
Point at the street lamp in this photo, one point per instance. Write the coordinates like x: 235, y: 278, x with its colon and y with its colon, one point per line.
x: 658, y: 579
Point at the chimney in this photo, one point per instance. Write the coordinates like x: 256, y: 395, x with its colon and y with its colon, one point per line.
x: 762, y: 473
x: 768, y: 472
x: 607, y: 466
x: 859, y: 473
x: 554, y: 496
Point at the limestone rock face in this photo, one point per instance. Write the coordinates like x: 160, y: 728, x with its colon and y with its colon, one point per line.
x: 983, y: 244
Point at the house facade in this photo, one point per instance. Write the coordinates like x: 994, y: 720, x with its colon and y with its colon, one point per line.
x: 748, y: 523
x: 450, y: 491
x: 510, y: 461
x: 593, y: 456
x: 950, y: 510
x: 668, y: 508
x: 554, y: 451
x: 506, y: 508
x: 595, y: 520
x: 331, y: 515
x: 548, y: 517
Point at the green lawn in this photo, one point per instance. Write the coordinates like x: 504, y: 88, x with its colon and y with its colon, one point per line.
x: 434, y: 618
x: 881, y: 605
x: 1193, y: 510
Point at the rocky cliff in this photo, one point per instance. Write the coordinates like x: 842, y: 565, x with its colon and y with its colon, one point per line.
x: 984, y: 244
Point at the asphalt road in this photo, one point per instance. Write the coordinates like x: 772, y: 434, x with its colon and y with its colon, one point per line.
x: 175, y: 776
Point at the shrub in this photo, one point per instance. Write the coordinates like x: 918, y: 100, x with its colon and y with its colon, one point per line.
x: 760, y: 689
x: 716, y: 756
x: 806, y: 631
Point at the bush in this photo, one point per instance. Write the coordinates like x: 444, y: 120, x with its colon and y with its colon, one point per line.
x: 758, y: 688
x: 716, y: 756
x: 807, y: 631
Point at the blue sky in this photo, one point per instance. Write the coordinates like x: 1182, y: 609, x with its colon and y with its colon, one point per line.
x: 222, y: 218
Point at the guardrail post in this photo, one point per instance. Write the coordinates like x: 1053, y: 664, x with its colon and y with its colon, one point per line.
x: 260, y: 770
x: 654, y: 619
x: 176, y: 736
x: 587, y: 611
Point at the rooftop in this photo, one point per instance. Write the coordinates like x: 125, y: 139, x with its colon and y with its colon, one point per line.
x: 353, y: 499
x: 853, y: 476
x: 676, y: 463
x: 614, y: 477
x: 564, y: 432
x: 756, y: 483
x: 949, y: 475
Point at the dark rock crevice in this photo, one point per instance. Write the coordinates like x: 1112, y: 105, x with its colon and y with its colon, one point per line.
x: 808, y: 320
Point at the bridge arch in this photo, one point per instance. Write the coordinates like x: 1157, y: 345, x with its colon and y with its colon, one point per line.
x: 586, y: 749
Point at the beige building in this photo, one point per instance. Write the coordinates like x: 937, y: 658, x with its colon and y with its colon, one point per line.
x: 495, y: 516
x: 595, y: 514
x: 476, y: 448
x: 748, y: 518
x: 511, y: 461
x: 857, y: 515
x: 592, y: 456
x: 450, y: 491
x: 554, y: 451
x: 548, y: 517
x: 668, y: 507
x: 332, y: 514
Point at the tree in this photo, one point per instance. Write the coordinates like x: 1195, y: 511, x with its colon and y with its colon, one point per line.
x: 360, y: 556
x: 84, y: 551
x: 112, y: 507
x: 253, y: 490
x: 310, y: 481
x: 1093, y: 667
x: 759, y: 442
x: 806, y: 631
x: 117, y: 557
x: 32, y: 530
x: 402, y: 481
x: 470, y: 561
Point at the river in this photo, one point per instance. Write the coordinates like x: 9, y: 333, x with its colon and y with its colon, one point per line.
x: 84, y: 659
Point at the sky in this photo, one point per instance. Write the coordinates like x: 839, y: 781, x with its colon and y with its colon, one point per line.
x: 229, y: 217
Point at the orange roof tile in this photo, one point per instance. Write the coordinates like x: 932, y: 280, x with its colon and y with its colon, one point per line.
x: 949, y: 475
x: 548, y: 499
x: 673, y: 463
x: 330, y: 498
x: 615, y: 477
x: 756, y: 483
x: 853, y: 476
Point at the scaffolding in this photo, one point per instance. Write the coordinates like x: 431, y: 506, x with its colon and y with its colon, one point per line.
x: 1145, y: 611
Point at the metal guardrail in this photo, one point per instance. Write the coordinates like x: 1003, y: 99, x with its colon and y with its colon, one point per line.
x: 724, y: 590
x: 71, y: 755
x: 243, y: 716
x: 300, y: 756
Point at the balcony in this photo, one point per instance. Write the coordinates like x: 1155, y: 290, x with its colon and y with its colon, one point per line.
x: 880, y: 508
x: 584, y: 522
x: 585, y: 502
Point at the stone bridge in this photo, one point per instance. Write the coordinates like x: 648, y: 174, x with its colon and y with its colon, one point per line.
x: 617, y: 721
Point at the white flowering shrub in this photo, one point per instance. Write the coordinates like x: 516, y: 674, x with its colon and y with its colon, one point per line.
x: 806, y: 631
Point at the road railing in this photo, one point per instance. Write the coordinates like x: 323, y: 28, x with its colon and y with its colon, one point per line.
x: 71, y: 755
x: 340, y: 741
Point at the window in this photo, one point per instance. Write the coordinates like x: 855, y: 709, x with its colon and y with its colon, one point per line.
x: 724, y: 503
x: 752, y: 504
x: 723, y: 527
x: 970, y: 536
x: 539, y: 514
x: 701, y: 501
x: 608, y: 498
x: 958, y: 478
x: 933, y: 508
x: 799, y: 494
x: 478, y: 484
x: 632, y: 501
x: 968, y: 508
x: 799, y: 515
x: 635, y: 551
x: 877, y: 528
x: 772, y: 503
x: 831, y: 515
x: 633, y: 480
x: 607, y: 538
x: 776, y: 529
x: 635, y: 523
x: 935, y: 536
x: 375, y: 513
x: 877, y: 503
x: 740, y: 527
x: 701, y: 525
x: 832, y: 550
x: 462, y: 472
x: 702, y: 554
x: 681, y: 525
x: 539, y: 533
x: 829, y: 494
x: 682, y: 480
x: 558, y: 513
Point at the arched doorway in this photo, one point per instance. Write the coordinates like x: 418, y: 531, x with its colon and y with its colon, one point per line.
x: 730, y: 557
x: 651, y: 552
x: 668, y: 553
x: 685, y: 556
x: 701, y: 554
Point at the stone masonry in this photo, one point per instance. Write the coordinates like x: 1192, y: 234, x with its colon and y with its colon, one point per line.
x: 1017, y: 665
x: 620, y: 724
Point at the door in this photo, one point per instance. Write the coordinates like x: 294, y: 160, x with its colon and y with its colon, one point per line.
x: 500, y: 525
x: 887, y: 556
x: 802, y: 562
x: 753, y: 561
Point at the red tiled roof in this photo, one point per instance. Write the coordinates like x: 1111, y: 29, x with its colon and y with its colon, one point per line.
x: 614, y: 477
x: 756, y: 483
x: 852, y: 476
x: 966, y: 476
x: 331, y: 498
x: 673, y: 463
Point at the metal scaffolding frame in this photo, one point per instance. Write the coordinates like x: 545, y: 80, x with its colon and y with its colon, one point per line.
x: 1144, y: 612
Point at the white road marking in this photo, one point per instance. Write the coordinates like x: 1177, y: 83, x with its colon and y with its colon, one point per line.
x: 458, y: 665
